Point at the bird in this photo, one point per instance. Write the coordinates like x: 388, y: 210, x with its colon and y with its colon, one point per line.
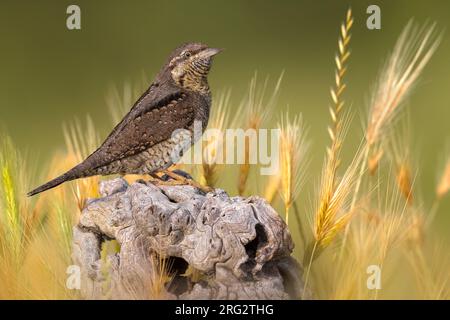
x: 160, y: 126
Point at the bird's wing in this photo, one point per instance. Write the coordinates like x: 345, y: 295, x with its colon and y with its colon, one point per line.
x: 150, y: 121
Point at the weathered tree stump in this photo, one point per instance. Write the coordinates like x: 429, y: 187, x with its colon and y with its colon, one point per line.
x: 238, y: 248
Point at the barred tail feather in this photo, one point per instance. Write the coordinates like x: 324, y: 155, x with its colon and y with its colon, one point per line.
x: 68, y: 176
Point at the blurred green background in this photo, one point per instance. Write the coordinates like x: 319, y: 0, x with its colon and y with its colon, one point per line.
x: 50, y: 75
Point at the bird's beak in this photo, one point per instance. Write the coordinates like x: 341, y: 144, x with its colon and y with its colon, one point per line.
x: 210, y: 52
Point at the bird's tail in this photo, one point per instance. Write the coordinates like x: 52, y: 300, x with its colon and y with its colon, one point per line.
x: 68, y: 176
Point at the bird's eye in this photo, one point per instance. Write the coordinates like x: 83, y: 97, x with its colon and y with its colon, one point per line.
x: 187, y: 54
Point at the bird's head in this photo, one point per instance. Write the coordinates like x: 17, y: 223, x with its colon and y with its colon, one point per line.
x: 189, y: 66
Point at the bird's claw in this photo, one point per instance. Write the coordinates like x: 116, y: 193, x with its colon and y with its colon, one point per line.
x: 176, y: 179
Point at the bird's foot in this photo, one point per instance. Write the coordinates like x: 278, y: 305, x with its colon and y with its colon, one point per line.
x: 178, y: 172
x: 177, y: 179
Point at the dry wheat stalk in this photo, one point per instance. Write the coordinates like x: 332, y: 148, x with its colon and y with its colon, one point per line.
x: 444, y: 183
x: 293, y: 148
x: 442, y: 188
x: 272, y: 187
x: 401, y: 156
x: 159, y: 277
x: 214, y: 148
x: 411, y: 54
x: 374, y: 160
x: 412, y: 51
x: 256, y: 110
x: 376, y: 232
x: 333, y: 194
x: 405, y: 181
x: 430, y: 268
x: 334, y: 200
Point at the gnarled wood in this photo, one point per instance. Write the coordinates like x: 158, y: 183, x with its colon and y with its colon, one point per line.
x: 232, y: 247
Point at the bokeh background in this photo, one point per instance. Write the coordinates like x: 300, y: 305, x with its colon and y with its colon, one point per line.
x: 50, y: 75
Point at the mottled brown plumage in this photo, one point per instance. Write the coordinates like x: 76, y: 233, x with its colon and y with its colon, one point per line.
x: 160, y: 125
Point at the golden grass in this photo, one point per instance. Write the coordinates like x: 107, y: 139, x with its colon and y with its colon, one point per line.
x: 160, y: 278
x: 386, y: 222
x: 333, y: 193
x: 413, y: 50
x: 24, y: 223
x: 256, y: 110
x: 404, y: 181
x: 444, y: 183
x: 293, y: 148
x: 411, y: 54
x: 213, y: 153
x: 404, y: 167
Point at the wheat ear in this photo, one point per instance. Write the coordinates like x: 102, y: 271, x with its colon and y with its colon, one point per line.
x: 333, y: 195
